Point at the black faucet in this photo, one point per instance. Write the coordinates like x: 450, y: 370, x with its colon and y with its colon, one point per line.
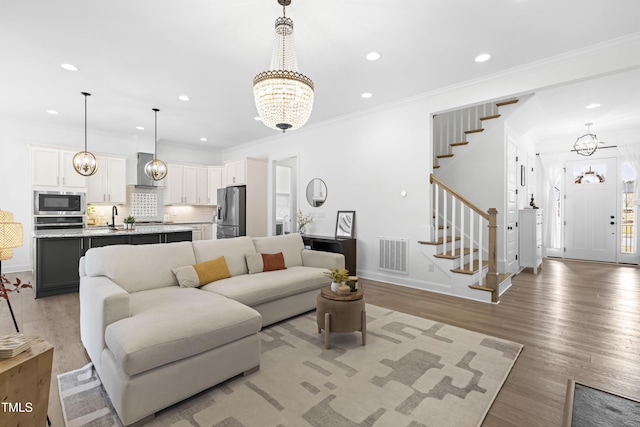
x: 114, y: 212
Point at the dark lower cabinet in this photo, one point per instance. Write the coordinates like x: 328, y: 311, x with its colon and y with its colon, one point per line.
x: 57, y: 259
x: 57, y: 265
x: 346, y: 247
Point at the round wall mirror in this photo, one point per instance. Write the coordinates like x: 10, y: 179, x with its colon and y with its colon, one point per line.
x: 316, y: 192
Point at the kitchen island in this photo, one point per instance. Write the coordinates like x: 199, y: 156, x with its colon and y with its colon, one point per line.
x: 58, y: 252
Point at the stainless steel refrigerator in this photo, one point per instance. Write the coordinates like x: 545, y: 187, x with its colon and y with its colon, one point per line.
x: 232, y: 212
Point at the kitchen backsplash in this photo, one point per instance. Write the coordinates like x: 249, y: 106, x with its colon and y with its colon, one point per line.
x: 146, y: 204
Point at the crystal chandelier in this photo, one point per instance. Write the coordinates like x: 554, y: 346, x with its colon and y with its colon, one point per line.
x: 84, y: 162
x: 155, y: 169
x: 587, y: 144
x: 284, y: 97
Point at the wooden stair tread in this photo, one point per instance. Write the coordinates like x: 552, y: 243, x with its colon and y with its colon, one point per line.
x: 442, y: 156
x: 467, y: 269
x: 456, y: 254
x: 495, y: 116
x: 501, y: 278
x: 437, y: 242
x: 508, y: 102
x: 456, y: 144
x: 436, y: 166
x: 467, y: 132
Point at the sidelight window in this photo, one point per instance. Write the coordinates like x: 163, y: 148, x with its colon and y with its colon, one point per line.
x: 629, y: 209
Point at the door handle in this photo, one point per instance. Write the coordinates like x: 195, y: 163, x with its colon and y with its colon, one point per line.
x: 612, y: 223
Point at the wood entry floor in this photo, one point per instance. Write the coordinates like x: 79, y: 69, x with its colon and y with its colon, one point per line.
x: 575, y: 319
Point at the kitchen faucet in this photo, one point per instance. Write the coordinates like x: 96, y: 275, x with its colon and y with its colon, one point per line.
x: 114, y: 212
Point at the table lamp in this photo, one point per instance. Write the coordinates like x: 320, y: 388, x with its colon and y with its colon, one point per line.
x: 10, y: 237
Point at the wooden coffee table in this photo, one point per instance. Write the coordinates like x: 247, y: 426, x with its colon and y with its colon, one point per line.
x: 341, y: 313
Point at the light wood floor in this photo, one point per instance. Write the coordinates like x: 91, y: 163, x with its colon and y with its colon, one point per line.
x: 575, y: 319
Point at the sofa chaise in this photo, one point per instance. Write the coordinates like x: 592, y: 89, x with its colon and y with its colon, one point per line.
x: 156, y: 338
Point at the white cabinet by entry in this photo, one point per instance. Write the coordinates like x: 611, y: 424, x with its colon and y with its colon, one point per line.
x: 253, y: 174
x: 530, y: 238
x: 53, y: 168
x: 109, y: 184
x: 214, y: 175
x: 186, y: 185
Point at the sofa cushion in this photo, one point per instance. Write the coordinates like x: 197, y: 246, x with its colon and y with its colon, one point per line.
x: 170, y: 324
x: 139, y: 267
x: 291, y: 246
x: 234, y: 251
x: 192, y: 276
x: 257, y: 263
x: 255, y: 289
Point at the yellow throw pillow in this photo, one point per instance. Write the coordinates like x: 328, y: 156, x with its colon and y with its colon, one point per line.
x: 193, y: 276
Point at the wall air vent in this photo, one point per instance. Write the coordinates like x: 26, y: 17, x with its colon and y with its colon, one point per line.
x: 394, y: 255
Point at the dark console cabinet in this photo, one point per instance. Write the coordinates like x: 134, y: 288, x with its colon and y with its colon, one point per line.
x: 346, y: 247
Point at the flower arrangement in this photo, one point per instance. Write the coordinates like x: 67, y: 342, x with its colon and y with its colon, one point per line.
x: 303, y: 220
x: 337, y: 275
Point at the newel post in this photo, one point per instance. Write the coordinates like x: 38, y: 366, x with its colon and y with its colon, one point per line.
x: 492, y: 274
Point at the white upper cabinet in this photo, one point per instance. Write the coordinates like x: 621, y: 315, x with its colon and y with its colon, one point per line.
x: 54, y: 169
x: 236, y: 172
x: 109, y: 184
x: 186, y: 185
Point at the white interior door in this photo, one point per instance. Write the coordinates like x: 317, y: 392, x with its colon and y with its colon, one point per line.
x: 511, y: 234
x: 591, y: 209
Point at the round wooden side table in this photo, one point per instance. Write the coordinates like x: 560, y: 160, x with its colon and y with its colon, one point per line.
x: 341, y: 313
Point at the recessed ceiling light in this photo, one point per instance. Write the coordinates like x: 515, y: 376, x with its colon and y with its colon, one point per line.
x: 594, y: 105
x: 373, y: 56
x: 184, y: 98
x: 54, y: 112
x: 483, y: 57
x: 140, y: 127
x: 257, y: 119
x: 366, y: 95
x: 203, y: 139
x: 69, y: 67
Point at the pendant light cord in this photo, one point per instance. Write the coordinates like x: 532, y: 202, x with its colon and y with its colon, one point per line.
x: 155, y: 136
x: 85, y: 119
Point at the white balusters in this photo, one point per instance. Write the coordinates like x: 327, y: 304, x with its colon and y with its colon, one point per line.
x: 461, y: 233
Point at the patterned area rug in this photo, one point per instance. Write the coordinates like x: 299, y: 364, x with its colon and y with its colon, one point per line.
x: 413, y: 372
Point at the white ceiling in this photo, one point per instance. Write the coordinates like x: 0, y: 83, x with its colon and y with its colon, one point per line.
x: 135, y: 55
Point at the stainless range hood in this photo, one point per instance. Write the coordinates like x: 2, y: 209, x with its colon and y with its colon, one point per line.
x: 142, y: 179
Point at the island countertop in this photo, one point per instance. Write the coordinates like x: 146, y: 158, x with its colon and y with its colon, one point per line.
x: 107, y: 231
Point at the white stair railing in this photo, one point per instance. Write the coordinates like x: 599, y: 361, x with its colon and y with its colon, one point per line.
x: 446, y: 201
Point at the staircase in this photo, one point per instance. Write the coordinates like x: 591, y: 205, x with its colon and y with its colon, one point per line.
x: 463, y: 237
x: 452, y: 129
x: 463, y: 241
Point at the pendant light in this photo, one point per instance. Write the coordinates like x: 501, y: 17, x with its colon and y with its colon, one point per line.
x: 84, y: 162
x: 587, y: 144
x: 156, y: 169
x: 283, y: 96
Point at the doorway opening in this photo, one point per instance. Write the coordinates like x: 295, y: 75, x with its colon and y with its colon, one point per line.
x: 285, y: 200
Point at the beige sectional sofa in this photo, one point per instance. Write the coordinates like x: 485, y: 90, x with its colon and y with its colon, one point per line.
x: 155, y: 343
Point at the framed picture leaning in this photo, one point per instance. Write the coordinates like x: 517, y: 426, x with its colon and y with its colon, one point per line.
x: 345, y: 224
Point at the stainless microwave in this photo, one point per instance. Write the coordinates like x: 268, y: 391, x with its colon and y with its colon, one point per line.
x: 59, y: 203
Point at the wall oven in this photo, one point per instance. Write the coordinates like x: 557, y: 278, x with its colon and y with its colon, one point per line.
x: 58, y: 203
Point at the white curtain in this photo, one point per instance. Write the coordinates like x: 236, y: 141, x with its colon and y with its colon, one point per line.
x: 631, y: 154
x: 552, y: 175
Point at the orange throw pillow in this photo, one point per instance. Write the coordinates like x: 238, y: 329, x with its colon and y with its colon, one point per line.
x: 273, y: 262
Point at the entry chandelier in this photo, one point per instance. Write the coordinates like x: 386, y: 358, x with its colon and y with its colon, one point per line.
x: 84, y: 162
x: 156, y: 169
x: 284, y: 97
x: 587, y: 144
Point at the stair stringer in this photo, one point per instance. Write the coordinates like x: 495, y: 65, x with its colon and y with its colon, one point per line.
x: 454, y: 284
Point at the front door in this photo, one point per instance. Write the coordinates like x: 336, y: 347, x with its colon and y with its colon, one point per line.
x: 591, y: 209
